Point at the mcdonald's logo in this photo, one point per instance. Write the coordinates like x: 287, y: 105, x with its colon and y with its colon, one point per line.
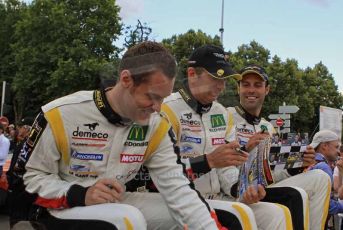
x: 217, y: 120
x: 137, y: 133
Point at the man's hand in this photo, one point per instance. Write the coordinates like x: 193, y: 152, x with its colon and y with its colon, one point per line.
x: 255, y: 140
x: 104, y: 191
x: 309, y: 156
x: 253, y: 195
x: 226, y: 155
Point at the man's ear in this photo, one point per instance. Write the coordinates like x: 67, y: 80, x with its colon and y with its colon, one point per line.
x: 125, y: 79
x: 191, y: 72
x: 267, y: 89
x: 191, y: 75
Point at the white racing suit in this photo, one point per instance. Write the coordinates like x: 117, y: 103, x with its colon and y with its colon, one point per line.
x: 83, y: 140
x: 200, y: 131
x: 314, y: 186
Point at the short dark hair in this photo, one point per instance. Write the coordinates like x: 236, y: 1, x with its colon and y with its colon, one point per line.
x: 2, y: 127
x: 146, y: 58
x: 252, y: 68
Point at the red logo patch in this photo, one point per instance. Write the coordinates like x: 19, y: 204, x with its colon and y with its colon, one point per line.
x: 218, y: 141
x: 131, y: 158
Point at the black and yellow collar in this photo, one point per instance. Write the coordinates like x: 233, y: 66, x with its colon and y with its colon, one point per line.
x: 251, y: 119
x: 104, y: 107
x: 192, y: 102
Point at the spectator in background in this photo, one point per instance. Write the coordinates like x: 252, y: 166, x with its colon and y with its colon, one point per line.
x: 23, y: 131
x: 338, y: 175
x: 24, y: 128
x: 12, y: 136
x: 276, y: 140
x: 10, y: 130
x: 4, y: 148
x: 326, y: 144
x: 297, y: 141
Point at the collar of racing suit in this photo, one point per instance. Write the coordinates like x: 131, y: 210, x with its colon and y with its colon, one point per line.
x: 104, y: 107
x: 191, y: 101
x: 251, y: 119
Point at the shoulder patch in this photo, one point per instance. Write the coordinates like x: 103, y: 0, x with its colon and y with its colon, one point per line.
x: 36, y: 131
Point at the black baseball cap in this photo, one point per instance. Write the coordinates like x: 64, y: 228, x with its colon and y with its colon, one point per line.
x: 212, y: 58
x: 254, y: 69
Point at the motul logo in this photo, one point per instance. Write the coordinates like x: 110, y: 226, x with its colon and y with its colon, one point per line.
x: 218, y: 141
x: 131, y: 158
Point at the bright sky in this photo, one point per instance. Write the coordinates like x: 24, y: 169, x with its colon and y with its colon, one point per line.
x: 309, y: 31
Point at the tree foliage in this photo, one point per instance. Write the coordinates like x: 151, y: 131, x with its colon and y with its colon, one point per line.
x: 308, y: 89
x: 182, y: 46
x: 10, y: 13
x: 136, y: 34
x: 60, y: 47
x: 51, y: 48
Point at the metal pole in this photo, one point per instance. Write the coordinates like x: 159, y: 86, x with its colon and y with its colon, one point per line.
x: 3, y: 97
x: 221, y: 30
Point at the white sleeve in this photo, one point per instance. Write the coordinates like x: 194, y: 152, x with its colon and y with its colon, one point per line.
x: 280, y: 175
x: 228, y: 176
x: 4, y: 148
x: 184, y: 203
x: 42, y: 169
x: 335, y: 171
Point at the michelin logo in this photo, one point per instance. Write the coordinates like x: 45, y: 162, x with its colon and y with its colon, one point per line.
x: 185, y: 138
x: 186, y: 149
x: 87, y: 156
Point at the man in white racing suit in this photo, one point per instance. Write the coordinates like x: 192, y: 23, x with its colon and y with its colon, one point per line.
x: 247, y: 128
x: 200, y: 124
x: 84, y: 147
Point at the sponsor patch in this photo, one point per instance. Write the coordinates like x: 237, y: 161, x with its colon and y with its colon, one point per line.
x: 192, y: 129
x: 185, y: 138
x: 189, y: 155
x: 79, y: 168
x: 82, y: 171
x: 89, y: 135
x: 188, y: 115
x: 137, y: 133
x: 131, y: 158
x: 218, y: 141
x: 131, y: 143
x: 186, y: 149
x: 92, y: 126
x: 190, y: 123
x: 217, y: 120
x: 87, y: 144
x: 217, y: 129
x: 243, y: 130
x: 87, y: 156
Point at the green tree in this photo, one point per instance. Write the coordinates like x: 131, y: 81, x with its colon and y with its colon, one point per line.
x: 10, y: 12
x: 252, y: 53
x: 321, y: 86
x: 136, y: 34
x: 182, y: 46
x: 61, y: 47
